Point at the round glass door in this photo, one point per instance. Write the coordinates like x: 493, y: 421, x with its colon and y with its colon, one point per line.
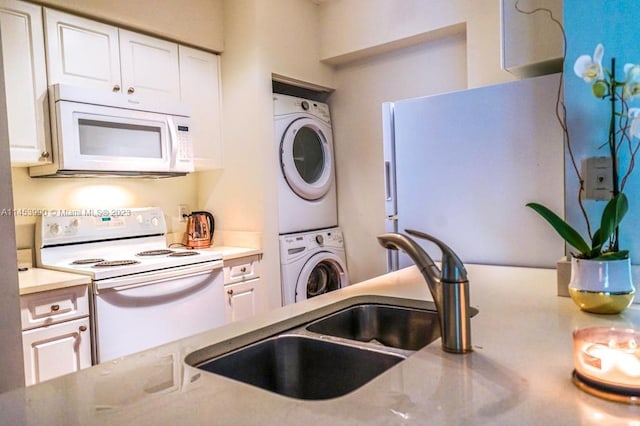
x: 308, y: 155
x: 322, y: 273
x: 306, y: 159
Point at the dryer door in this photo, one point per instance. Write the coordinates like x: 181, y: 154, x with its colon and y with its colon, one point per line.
x: 323, y: 272
x: 306, y: 158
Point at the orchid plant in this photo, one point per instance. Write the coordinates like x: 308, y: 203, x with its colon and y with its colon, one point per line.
x: 623, y: 135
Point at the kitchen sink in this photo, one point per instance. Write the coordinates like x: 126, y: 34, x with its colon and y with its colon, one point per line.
x: 325, y: 353
x: 303, y: 367
x: 394, y: 326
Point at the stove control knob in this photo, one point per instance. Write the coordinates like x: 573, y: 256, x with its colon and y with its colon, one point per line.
x: 155, y: 221
x: 55, y: 229
x: 74, y: 223
x: 139, y: 218
x: 319, y: 239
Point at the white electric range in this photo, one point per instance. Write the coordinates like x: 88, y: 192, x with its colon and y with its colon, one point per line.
x: 143, y: 294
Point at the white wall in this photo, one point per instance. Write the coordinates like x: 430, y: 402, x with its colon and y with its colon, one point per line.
x: 261, y: 38
x: 362, y: 87
x: 91, y: 193
x: 350, y: 26
x: 387, y: 50
x: 11, y: 362
x: 352, y: 29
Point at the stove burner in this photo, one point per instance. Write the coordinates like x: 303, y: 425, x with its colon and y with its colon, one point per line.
x: 86, y: 261
x: 184, y: 253
x: 155, y: 252
x: 115, y: 263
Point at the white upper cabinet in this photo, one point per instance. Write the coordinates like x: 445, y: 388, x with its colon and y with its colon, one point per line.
x: 149, y: 66
x: 25, y: 82
x: 200, y: 89
x: 86, y: 53
x: 81, y: 52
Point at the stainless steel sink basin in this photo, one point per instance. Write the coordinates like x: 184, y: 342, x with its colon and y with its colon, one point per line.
x: 325, y: 353
x: 394, y: 326
x: 303, y: 367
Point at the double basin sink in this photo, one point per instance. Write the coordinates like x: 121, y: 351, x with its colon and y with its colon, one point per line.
x: 329, y: 356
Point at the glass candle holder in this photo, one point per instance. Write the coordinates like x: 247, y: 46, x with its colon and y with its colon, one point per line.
x: 608, y: 359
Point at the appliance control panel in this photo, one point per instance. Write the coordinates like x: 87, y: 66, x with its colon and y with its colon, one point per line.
x: 294, y: 244
x: 68, y: 226
x: 285, y: 104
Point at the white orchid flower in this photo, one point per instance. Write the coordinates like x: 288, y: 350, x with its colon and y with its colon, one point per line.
x: 632, y: 81
x: 634, y: 116
x: 590, y: 69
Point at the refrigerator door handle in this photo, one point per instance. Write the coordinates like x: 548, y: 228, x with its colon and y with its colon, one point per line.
x: 387, y: 181
x: 388, y: 145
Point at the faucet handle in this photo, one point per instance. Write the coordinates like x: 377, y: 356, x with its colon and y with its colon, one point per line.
x: 453, y: 270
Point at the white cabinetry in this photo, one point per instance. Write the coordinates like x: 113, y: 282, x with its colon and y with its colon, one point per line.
x: 531, y: 43
x: 245, y: 293
x: 82, y: 52
x: 200, y: 89
x: 56, y: 334
x: 149, y: 66
x: 25, y: 82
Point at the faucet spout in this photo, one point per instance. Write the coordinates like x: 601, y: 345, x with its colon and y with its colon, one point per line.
x: 449, y: 288
x: 423, y: 261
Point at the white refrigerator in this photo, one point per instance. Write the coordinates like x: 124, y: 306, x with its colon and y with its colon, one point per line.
x: 461, y: 166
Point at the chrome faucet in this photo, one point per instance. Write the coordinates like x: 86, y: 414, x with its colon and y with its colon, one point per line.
x: 449, y: 287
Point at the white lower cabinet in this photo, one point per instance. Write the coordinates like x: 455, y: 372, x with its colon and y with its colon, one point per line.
x: 244, y: 300
x: 245, y: 294
x: 56, y: 336
x: 56, y: 350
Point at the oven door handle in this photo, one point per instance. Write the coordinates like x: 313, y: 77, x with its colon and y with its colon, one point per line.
x: 130, y: 282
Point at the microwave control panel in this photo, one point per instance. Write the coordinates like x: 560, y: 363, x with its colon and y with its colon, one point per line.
x: 185, y: 144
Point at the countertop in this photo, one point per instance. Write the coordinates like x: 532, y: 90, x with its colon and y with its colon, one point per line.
x: 230, y: 252
x: 519, y: 372
x: 35, y: 280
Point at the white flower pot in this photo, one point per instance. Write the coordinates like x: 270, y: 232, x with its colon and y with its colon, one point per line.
x: 603, y: 287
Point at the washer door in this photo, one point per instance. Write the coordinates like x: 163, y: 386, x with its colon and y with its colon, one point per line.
x: 322, y: 273
x: 306, y: 159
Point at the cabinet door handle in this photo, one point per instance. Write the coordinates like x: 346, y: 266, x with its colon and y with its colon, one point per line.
x: 243, y: 269
x: 55, y: 308
x: 83, y: 328
x: 44, y: 154
x: 116, y: 88
x: 131, y: 90
x: 230, y: 292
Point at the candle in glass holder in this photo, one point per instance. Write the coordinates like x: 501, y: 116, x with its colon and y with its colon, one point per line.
x: 609, y: 356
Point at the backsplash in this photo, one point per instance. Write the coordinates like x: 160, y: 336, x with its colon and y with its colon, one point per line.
x: 32, y: 196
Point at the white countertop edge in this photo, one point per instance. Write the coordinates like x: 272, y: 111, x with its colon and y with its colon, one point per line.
x: 35, y: 280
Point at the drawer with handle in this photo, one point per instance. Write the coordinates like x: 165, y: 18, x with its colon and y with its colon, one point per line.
x: 54, y: 306
x: 241, y: 269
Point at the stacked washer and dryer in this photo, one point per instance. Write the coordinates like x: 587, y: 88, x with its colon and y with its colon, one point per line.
x: 312, y: 255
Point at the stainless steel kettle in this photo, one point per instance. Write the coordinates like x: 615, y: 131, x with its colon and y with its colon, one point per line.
x: 200, y: 227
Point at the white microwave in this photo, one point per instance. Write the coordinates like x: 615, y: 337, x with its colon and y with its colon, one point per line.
x: 96, y: 133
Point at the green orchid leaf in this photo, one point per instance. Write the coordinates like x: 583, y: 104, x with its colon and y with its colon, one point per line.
x: 596, y: 243
x: 612, y: 215
x: 569, y: 234
x: 613, y: 255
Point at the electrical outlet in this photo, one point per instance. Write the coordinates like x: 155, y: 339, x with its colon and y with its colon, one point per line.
x: 597, y: 172
x: 183, y: 212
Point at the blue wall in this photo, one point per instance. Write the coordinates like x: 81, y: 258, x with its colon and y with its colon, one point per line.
x: 615, y: 24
